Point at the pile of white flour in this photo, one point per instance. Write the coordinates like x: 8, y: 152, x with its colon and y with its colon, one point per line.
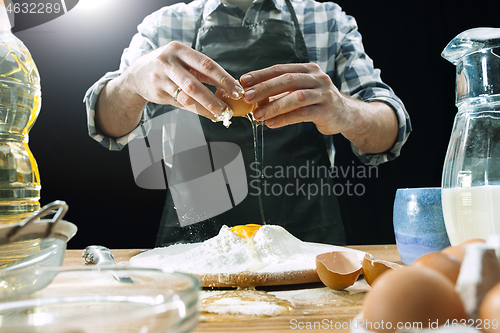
x: 272, y: 249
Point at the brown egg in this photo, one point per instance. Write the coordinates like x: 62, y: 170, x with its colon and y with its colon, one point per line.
x: 446, y: 264
x: 474, y: 240
x: 239, y: 107
x: 410, y: 295
x: 338, y: 270
x: 459, y: 250
x: 489, y: 311
x: 373, y: 268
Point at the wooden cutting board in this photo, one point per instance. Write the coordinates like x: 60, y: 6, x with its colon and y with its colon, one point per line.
x: 256, y: 279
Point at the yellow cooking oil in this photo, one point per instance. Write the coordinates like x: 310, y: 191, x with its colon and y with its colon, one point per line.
x: 20, y: 101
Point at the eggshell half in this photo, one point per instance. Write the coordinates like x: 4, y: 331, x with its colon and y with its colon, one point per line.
x: 338, y: 270
x: 373, y: 268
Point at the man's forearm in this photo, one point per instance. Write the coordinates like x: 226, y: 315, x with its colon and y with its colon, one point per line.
x: 118, y: 108
x: 375, y: 126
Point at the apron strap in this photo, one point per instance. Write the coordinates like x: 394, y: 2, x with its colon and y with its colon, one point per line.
x: 198, y: 25
x: 292, y: 13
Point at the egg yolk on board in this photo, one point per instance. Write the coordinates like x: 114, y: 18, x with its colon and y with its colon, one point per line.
x: 246, y: 231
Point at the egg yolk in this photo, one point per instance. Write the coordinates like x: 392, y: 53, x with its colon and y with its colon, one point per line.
x: 246, y: 231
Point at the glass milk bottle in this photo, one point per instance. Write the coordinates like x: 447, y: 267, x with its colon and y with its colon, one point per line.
x: 20, y: 99
x: 471, y: 172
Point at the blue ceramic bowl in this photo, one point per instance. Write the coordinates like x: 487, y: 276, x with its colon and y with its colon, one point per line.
x: 418, y: 223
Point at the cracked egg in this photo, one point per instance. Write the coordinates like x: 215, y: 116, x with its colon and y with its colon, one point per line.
x: 239, y: 107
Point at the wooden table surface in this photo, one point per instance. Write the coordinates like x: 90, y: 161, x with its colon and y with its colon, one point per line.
x: 316, y: 308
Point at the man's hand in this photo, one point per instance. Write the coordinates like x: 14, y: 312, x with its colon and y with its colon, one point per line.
x: 155, y: 77
x: 304, y: 93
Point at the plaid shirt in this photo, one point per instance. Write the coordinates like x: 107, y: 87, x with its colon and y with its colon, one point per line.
x: 332, y: 39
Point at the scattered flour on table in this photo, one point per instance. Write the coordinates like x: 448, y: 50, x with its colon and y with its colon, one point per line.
x: 246, y: 302
x: 271, y: 249
x: 242, y: 307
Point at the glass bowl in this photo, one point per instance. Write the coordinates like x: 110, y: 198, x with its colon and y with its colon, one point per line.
x: 91, y: 299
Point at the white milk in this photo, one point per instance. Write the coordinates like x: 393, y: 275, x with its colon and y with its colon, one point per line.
x: 471, y: 212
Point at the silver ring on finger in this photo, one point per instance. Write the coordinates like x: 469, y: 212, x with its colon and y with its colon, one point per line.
x: 177, y: 91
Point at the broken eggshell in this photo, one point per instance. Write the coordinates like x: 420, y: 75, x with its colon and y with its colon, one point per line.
x: 373, y: 268
x: 338, y: 270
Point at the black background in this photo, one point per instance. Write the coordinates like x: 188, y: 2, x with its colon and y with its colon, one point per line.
x: 405, y: 40
x: 30, y: 13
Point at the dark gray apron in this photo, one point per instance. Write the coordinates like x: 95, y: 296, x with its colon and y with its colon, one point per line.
x: 239, y: 50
